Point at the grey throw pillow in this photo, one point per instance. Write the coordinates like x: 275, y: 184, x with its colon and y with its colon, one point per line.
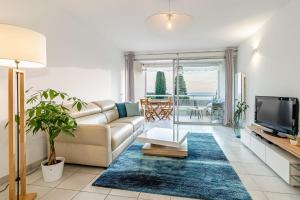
x: 132, y: 109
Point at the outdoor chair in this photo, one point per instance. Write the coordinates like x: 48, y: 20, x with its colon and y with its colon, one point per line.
x: 166, y: 111
x: 149, y: 111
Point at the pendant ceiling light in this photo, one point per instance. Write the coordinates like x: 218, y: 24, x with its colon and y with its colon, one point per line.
x: 169, y: 20
x: 169, y: 23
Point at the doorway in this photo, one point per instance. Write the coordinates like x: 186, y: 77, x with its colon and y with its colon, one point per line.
x: 199, y: 91
x: 197, y: 87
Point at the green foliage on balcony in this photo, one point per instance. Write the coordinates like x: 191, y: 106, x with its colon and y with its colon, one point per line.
x: 181, y: 87
x: 160, y: 84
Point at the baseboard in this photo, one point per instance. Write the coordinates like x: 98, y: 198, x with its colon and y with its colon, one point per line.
x: 29, y: 168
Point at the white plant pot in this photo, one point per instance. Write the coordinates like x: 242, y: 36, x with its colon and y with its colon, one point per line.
x: 294, y: 142
x: 53, y: 172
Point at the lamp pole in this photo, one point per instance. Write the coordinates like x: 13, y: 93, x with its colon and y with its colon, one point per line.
x: 18, y: 131
x: 30, y: 50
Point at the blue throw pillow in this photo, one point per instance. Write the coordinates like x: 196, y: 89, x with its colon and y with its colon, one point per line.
x: 121, y: 110
x: 132, y: 109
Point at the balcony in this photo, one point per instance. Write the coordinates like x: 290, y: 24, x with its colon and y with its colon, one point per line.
x: 195, y: 108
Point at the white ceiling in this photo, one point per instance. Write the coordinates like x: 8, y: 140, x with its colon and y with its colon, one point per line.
x: 216, y: 23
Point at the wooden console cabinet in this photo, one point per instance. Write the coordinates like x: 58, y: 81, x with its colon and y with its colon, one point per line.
x: 282, y: 157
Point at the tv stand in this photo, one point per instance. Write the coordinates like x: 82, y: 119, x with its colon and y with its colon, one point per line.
x: 282, y: 157
x: 270, y: 131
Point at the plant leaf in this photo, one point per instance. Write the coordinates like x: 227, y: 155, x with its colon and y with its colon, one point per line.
x: 79, y: 106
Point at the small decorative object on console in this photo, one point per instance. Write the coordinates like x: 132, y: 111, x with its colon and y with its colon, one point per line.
x: 241, y: 108
x: 293, y: 140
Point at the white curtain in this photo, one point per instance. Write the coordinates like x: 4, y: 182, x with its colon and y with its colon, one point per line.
x: 229, y: 71
x: 129, y: 76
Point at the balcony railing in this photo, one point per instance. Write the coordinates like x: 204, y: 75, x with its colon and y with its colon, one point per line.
x: 214, y: 106
x: 187, y: 100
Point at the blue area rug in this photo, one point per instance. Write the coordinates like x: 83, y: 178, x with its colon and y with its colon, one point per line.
x: 205, y: 173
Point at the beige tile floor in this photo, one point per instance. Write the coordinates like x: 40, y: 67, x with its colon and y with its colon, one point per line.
x: 261, y: 182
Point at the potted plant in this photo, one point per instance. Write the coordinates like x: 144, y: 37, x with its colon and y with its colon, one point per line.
x: 49, y: 115
x: 294, y: 140
x: 240, y: 110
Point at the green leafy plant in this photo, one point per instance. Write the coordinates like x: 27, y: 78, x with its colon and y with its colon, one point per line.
x: 182, y: 90
x: 48, y: 114
x: 160, y: 84
x: 241, y: 108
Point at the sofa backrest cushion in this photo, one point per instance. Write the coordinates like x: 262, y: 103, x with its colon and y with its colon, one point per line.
x: 111, y: 115
x: 105, y: 105
x: 94, y: 119
x: 89, y: 109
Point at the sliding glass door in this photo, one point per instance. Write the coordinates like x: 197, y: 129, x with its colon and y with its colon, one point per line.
x: 199, y: 91
x: 196, y: 85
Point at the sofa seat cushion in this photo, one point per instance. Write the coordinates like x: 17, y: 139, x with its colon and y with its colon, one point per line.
x: 119, y: 133
x: 136, y: 121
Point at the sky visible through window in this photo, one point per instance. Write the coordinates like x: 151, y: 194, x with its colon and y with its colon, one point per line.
x: 197, y: 82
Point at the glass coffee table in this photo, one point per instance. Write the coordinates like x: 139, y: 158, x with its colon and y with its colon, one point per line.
x: 170, y: 142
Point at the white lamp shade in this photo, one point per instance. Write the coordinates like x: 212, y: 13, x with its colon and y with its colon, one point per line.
x: 23, y: 45
x: 178, y: 22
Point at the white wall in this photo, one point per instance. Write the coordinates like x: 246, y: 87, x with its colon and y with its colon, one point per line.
x: 80, y: 62
x: 275, y: 68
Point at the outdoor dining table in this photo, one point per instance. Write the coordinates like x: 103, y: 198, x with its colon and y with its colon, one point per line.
x: 157, y: 104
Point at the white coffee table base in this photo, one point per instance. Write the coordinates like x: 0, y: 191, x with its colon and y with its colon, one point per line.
x: 159, y: 150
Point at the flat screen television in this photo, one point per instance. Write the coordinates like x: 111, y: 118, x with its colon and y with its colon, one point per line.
x: 279, y: 114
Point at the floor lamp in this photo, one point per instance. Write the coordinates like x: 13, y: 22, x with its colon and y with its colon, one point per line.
x: 19, y: 48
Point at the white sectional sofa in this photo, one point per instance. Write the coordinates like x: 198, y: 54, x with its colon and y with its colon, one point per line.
x: 100, y: 136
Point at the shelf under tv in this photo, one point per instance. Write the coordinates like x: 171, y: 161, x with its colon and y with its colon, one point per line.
x: 282, y: 157
x: 283, y: 143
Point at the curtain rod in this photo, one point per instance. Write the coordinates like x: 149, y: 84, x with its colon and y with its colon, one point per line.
x: 184, y: 52
x: 182, y: 58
